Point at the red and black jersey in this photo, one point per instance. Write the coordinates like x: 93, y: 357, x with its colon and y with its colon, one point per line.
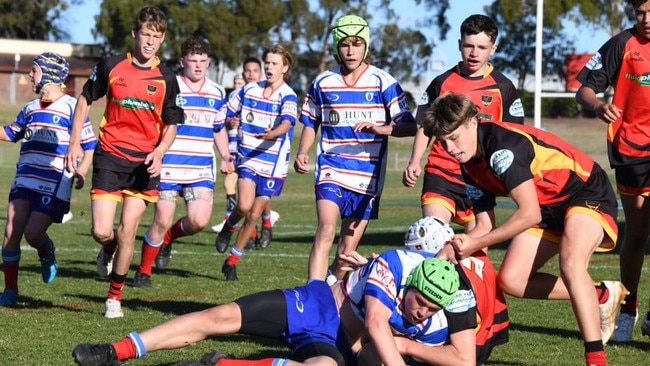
x: 140, y: 101
x: 624, y: 63
x: 513, y: 154
x: 495, y: 96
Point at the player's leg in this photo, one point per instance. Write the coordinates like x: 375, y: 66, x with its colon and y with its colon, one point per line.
x: 328, y: 216
x: 132, y: 209
x: 103, y: 208
x: 17, y: 214
x: 636, y: 209
x: 153, y: 241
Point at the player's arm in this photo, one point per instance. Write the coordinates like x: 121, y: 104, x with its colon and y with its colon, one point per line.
x: 587, y: 98
x: 413, y: 169
x: 460, y: 350
x: 154, y: 159
x: 307, y: 138
x: 75, y: 154
x: 527, y: 214
x: 381, y: 335
x: 221, y: 142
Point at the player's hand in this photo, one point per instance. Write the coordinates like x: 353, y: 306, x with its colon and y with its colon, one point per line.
x: 154, y: 163
x: 300, y: 164
x: 367, y: 127
x: 227, y: 165
x: 72, y: 157
x: 351, y: 261
x: 463, y: 245
x: 411, y: 174
x: 233, y: 122
x: 608, y: 112
x: 447, y: 253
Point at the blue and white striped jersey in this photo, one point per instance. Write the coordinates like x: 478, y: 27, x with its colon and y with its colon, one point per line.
x: 191, y: 157
x: 385, y: 278
x: 268, y: 158
x: 45, y: 134
x: 353, y: 160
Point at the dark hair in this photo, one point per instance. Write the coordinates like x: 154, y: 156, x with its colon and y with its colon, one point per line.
x: 195, y: 45
x: 251, y: 59
x: 150, y: 17
x: 477, y: 23
x: 636, y: 3
x: 447, y: 113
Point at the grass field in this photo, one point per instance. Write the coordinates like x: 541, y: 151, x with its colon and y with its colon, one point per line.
x: 51, y: 319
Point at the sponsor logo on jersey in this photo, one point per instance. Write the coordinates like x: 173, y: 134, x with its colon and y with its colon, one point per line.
x: 501, y: 160
x: 516, y: 108
x: 134, y: 103
x: 463, y: 301
x: 249, y: 117
x: 300, y: 306
x: 644, y: 80
x: 93, y: 74
x: 334, y: 118
x: 595, y: 62
x: 333, y: 97
x: 424, y: 100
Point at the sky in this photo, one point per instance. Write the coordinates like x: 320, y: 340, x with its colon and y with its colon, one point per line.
x: 81, y: 20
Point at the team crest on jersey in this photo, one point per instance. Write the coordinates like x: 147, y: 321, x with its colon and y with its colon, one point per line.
x: 270, y: 184
x: 501, y: 160
x: 424, y: 100
x: 370, y: 96
x: 334, y: 118
x: 151, y: 89
x: 595, y: 62
x: 249, y: 117
x: 486, y: 100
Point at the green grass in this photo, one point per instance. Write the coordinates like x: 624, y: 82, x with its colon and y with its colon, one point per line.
x: 51, y: 319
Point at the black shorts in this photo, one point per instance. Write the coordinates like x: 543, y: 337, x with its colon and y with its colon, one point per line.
x: 112, y: 174
x: 633, y: 179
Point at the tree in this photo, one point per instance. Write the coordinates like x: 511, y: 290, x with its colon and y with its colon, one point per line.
x: 517, y: 30
x: 36, y: 20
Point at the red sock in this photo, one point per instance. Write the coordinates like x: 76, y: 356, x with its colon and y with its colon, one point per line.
x: 254, y: 233
x: 11, y: 275
x: 596, y: 358
x: 602, y: 292
x: 231, y: 362
x: 266, y: 220
x: 175, y: 232
x: 117, y: 284
x: 232, y: 259
x: 124, y: 349
x: 149, y: 254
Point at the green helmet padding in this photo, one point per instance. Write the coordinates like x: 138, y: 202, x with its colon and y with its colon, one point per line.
x: 436, y: 279
x: 348, y: 26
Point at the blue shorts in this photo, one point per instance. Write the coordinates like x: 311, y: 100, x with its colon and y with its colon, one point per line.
x: 351, y: 204
x: 47, y: 204
x: 265, y: 187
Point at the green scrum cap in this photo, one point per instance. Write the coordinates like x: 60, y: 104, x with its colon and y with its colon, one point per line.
x: 436, y: 279
x: 348, y: 26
